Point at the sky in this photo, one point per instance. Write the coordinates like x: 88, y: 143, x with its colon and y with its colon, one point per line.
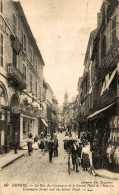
x: 61, y: 29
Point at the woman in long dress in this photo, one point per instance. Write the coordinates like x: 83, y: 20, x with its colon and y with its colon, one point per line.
x: 36, y: 142
x: 46, y: 143
x: 85, y: 156
x: 29, y: 143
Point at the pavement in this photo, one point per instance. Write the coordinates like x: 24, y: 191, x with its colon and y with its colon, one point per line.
x: 107, y: 174
x: 10, y: 157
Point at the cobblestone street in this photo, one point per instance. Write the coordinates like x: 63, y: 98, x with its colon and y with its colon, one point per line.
x: 36, y: 169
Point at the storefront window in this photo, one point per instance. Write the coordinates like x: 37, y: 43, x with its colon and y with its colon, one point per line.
x: 27, y: 126
x: 2, y: 97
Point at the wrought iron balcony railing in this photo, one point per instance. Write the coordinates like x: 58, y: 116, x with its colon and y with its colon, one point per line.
x: 107, y: 98
x: 109, y: 61
x: 16, y: 76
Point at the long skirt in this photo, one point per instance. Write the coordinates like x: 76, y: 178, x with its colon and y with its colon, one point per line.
x: 85, y: 162
x: 65, y: 144
x: 30, y: 147
x: 97, y: 162
x: 46, y: 145
x: 35, y: 145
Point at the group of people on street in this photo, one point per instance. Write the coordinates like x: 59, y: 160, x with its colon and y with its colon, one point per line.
x: 46, y: 144
x: 88, y: 151
x: 79, y: 150
x: 92, y: 151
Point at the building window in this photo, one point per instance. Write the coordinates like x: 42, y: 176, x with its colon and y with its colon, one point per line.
x: 39, y: 92
x: 24, y: 41
x: 15, y: 24
x: 31, y: 87
x: 14, y: 58
x: 1, y: 49
x: 1, y: 6
x: 24, y: 71
x: 36, y: 64
x: 31, y: 55
x: 113, y: 30
x: 103, y: 47
x: 36, y: 88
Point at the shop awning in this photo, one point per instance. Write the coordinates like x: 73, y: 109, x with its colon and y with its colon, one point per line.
x: 98, y: 111
x: 109, y: 81
x: 44, y: 122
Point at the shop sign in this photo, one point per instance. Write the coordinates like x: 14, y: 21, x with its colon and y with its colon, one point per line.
x: 16, y: 109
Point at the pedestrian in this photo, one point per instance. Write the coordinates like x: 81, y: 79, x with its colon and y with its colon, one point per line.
x: 56, y: 145
x: 103, y: 151
x: 50, y: 148
x: 46, y: 143
x: 96, y: 155
x: 16, y: 142
x: 29, y: 143
x: 74, y: 152
x: 85, y: 161
x: 116, y: 157
x: 66, y: 140
x: 41, y: 143
x: 36, y: 142
x: 83, y: 137
x: 79, y: 151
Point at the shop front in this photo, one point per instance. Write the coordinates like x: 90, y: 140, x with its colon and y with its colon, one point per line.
x: 104, y: 126
x: 23, y: 119
x: 15, y: 111
x: 4, y: 120
x: 43, y: 126
x: 29, y: 123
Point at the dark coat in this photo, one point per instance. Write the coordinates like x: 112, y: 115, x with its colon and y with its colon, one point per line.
x: 50, y: 146
x: 74, y: 154
x: 55, y: 143
x: 36, y: 139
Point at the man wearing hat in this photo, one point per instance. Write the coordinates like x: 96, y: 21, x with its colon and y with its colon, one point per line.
x: 55, y: 145
x: 74, y: 151
x: 50, y: 148
x: 79, y: 151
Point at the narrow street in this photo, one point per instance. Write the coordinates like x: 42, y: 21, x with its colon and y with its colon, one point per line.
x: 36, y: 169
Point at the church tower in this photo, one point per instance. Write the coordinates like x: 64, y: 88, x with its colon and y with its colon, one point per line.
x: 65, y: 103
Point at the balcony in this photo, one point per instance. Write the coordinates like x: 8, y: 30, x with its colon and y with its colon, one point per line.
x: 109, y: 61
x: 107, y: 98
x: 15, y: 77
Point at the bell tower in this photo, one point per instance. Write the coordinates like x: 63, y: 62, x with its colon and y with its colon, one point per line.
x: 65, y: 103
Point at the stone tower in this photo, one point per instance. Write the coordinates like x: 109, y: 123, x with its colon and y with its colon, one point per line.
x: 65, y: 103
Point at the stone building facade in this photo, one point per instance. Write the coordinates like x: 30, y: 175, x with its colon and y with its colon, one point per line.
x: 21, y: 76
x: 99, y: 108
